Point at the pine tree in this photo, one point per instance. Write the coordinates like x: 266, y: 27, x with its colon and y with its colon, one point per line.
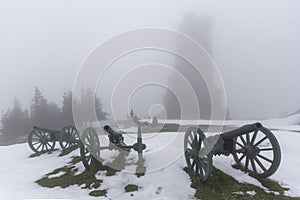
x: 101, y: 115
x: 15, y: 123
x: 44, y: 114
x: 38, y: 108
x: 85, y: 108
x: 66, y: 111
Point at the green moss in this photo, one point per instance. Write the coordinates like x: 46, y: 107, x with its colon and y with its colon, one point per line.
x: 98, y: 166
x: 75, y: 159
x: 224, y: 187
x: 131, y: 188
x: 98, y: 193
x: 86, y: 178
x: 271, y: 185
x: 70, y: 176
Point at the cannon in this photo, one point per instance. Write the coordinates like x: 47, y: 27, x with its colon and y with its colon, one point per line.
x: 253, y: 147
x: 90, y: 145
x: 43, y: 140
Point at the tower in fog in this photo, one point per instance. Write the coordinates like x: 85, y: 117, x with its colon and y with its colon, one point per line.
x: 198, y: 28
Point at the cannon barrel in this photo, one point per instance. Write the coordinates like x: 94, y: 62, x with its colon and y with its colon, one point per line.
x: 111, y: 131
x: 241, y: 131
x: 45, y: 129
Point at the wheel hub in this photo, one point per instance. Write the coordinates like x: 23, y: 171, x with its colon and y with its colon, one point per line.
x: 44, y: 140
x: 251, y: 149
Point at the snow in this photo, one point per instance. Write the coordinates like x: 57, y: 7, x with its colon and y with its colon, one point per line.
x: 251, y: 192
x: 290, y: 123
x: 18, y: 172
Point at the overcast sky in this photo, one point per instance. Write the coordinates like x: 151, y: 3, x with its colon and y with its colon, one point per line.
x: 255, y: 44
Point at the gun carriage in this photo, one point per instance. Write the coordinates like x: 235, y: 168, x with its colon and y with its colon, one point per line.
x: 90, y: 145
x: 43, y: 140
x: 253, y: 147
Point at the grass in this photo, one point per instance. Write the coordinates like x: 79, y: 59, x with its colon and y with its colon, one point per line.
x: 98, y: 193
x: 70, y: 176
x: 224, y: 187
x: 131, y: 188
x: 220, y: 186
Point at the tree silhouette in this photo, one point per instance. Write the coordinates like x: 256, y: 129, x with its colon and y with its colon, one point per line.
x: 84, y: 106
x: 66, y: 111
x: 15, y: 123
x: 44, y: 114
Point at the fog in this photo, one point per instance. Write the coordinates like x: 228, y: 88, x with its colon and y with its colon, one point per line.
x: 255, y: 45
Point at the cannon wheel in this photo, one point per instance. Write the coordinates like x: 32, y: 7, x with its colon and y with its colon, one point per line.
x: 68, y: 137
x: 89, y: 147
x: 193, y: 141
x: 257, y: 152
x: 41, y: 141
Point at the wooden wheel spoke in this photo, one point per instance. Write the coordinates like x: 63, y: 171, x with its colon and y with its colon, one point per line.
x: 203, y: 163
x: 260, y: 141
x: 243, y: 140
x: 240, y: 144
x: 199, y: 142
x: 35, y: 134
x: 260, y: 164
x: 46, y: 147
x: 265, y: 158
x: 88, y: 136
x: 39, y: 146
x: 247, y: 137
x: 35, y: 138
x: 36, y: 143
x: 86, y: 152
x: 190, y: 139
x: 253, y: 165
x: 266, y: 149
x: 247, y: 162
x: 254, y: 137
x: 43, y: 147
x: 48, y: 144
x: 193, y: 164
x: 200, y: 168
x: 197, y: 167
x: 242, y: 157
x: 88, y: 158
x: 89, y: 140
x: 239, y: 151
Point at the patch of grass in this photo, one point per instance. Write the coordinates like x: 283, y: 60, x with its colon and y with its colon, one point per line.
x: 131, y: 188
x: 224, y: 187
x: 98, y: 193
x: 86, y: 178
x: 69, y: 177
x: 100, y: 167
x: 271, y: 185
x: 75, y: 159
